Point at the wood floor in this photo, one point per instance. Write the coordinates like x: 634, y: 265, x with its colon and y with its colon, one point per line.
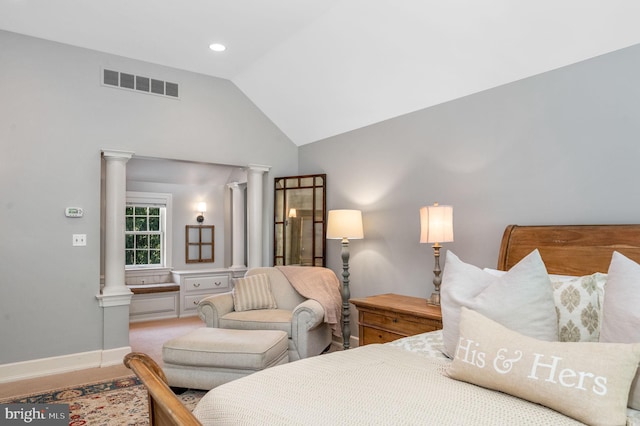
x: 146, y: 337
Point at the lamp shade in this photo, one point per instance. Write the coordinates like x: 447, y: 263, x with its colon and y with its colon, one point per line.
x: 202, y: 207
x: 436, y: 224
x: 345, y: 224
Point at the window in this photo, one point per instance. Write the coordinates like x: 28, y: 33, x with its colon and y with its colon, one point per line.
x: 147, y: 230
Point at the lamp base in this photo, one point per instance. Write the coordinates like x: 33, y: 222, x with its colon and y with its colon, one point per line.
x: 434, y: 299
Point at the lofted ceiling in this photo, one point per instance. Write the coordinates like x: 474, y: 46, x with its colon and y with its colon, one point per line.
x: 318, y: 68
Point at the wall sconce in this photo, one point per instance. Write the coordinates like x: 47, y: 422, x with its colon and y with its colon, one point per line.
x: 293, y: 213
x: 344, y: 225
x: 436, y: 226
x: 202, y: 207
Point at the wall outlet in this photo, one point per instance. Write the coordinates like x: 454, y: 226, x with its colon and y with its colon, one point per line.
x: 79, y: 239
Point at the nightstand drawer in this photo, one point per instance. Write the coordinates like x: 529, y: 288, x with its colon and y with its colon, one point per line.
x: 206, y: 283
x: 388, y: 317
x: 404, y: 325
x: 374, y: 335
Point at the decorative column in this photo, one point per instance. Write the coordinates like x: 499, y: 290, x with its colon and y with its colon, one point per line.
x: 115, y: 202
x: 255, y: 214
x: 115, y: 296
x: 238, y: 216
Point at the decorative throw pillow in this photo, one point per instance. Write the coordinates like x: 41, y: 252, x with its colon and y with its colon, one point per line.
x: 579, y: 306
x: 522, y: 298
x: 587, y: 381
x: 253, y: 292
x: 621, y: 310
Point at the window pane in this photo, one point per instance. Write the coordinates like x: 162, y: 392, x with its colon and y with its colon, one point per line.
x: 154, y: 242
x: 144, y: 235
x: 154, y: 223
x: 128, y: 254
x: 142, y: 241
x: 141, y: 257
x: 141, y: 224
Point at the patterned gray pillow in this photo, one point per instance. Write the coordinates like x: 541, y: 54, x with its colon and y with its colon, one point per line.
x: 579, y: 307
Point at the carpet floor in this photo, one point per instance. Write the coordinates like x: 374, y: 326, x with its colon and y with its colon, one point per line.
x: 114, y: 402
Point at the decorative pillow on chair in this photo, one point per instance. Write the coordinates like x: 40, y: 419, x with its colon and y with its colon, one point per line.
x: 579, y: 306
x: 253, y: 292
x: 587, y: 381
x: 621, y: 310
x: 522, y: 298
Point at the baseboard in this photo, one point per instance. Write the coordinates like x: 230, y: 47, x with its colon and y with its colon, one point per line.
x: 61, y: 364
x: 114, y: 356
x: 338, y: 343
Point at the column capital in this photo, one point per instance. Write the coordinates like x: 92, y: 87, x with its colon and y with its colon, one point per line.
x: 259, y: 168
x: 116, y: 154
x: 236, y: 185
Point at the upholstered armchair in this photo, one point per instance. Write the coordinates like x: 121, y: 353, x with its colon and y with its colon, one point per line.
x: 301, y: 318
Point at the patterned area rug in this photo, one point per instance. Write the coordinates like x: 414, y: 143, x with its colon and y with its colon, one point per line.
x: 116, y: 402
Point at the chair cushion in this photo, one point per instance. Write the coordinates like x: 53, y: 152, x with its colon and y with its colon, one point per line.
x: 263, y: 319
x: 253, y: 292
x: 216, y: 347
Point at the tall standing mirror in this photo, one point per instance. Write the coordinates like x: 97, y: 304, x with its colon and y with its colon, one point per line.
x: 299, y: 218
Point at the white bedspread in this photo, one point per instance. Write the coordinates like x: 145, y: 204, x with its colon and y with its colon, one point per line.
x: 371, y: 385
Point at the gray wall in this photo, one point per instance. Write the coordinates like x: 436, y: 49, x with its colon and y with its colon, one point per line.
x: 559, y: 148
x: 55, y: 119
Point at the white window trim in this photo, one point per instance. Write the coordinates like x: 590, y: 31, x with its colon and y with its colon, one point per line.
x: 163, y: 199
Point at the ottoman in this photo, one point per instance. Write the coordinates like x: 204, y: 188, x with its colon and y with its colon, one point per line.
x: 208, y: 357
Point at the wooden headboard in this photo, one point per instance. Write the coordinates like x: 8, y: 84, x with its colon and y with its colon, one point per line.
x: 570, y: 249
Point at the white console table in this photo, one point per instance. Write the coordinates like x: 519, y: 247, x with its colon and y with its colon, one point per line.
x: 196, y: 284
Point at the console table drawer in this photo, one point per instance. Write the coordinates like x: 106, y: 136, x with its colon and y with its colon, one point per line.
x: 206, y: 283
x: 191, y: 302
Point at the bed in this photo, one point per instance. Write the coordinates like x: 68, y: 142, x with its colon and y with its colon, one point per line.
x: 409, y: 381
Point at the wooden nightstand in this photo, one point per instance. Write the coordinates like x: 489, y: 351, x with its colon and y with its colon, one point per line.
x: 388, y: 317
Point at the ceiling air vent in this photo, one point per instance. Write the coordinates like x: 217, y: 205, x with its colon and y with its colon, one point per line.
x: 123, y: 80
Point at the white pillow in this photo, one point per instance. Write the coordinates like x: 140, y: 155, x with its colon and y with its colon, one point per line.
x: 587, y: 381
x: 621, y: 310
x: 521, y: 299
x: 253, y: 292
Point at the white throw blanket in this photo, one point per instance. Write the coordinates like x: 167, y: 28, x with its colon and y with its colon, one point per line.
x: 320, y: 284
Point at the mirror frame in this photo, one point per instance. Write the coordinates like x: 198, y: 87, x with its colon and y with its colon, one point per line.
x: 317, y: 186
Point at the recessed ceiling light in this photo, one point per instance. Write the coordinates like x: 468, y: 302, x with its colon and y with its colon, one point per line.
x: 217, y: 47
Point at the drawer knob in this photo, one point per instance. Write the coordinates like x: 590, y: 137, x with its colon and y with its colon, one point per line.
x: 195, y: 302
x: 395, y: 320
x: 218, y: 283
x: 196, y: 285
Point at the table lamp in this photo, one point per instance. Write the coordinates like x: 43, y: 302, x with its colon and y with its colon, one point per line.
x: 436, y: 226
